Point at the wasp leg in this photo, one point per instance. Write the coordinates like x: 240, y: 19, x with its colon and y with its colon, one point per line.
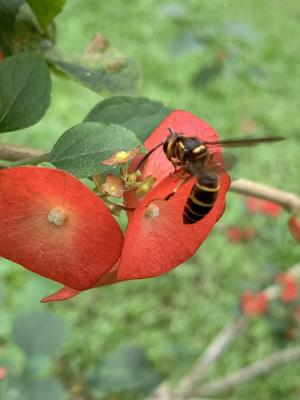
x: 179, y: 174
x: 185, y: 180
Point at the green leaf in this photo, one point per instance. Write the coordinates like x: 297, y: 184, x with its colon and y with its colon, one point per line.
x: 30, y: 388
x: 139, y: 114
x: 39, y: 333
x: 28, y: 36
x: 109, y: 74
x: 126, y: 370
x: 24, y: 91
x: 8, y: 12
x: 46, y: 10
x: 81, y: 149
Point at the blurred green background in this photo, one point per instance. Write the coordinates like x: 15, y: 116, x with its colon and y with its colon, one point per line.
x: 236, y: 65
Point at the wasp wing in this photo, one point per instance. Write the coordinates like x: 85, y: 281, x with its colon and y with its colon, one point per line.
x: 244, y: 142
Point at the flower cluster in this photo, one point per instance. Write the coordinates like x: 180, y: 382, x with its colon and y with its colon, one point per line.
x: 55, y: 226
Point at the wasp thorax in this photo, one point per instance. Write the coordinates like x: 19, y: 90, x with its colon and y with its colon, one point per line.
x: 152, y: 211
x: 56, y: 216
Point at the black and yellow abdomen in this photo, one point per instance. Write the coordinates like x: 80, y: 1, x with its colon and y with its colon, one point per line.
x: 202, y: 198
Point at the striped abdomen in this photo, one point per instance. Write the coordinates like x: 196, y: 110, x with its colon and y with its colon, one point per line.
x: 202, y: 198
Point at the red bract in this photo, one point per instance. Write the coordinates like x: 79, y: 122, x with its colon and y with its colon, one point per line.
x: 156, y: 239
x: 254, y: 303
x: 294, y: 227
x: 290, y: 289
x: 255, y: 205
x: 55, y: 226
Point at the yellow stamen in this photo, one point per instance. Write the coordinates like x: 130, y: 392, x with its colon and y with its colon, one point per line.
x: 121, y: 155
x: 144, y: 187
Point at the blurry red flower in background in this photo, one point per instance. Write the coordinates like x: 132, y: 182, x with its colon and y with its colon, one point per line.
x: 3, y: 373
x: 255, y: 205
x: 290, y: 288
x: 297, y: 314
x: 1, y: 56
x: 254, y: 303
x: 294, y: 227
x: 83, y: 251
x: 237, y: 234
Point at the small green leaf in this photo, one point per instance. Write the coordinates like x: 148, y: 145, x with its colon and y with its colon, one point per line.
x: 110, y: 74
x: 39, y: 333
x: 30, y: 388
x: 81, y: 149
x: 8, y: 12
x: 139, y: 114
x: 126, y: 370
x: 46, y: 10
x: 24, y: 91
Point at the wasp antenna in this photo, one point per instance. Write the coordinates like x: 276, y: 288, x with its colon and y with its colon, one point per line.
x: 144, y: 158
x: 170, y: 130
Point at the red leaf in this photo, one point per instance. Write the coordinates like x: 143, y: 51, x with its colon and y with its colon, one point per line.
x: 260, y: 206
x: 156, y: 239
x: 236, y: 234
x: 76, y: 253
x: 290, y: 289
x: 1, y: 56
x: 294, y: 227
x: 254, y: 303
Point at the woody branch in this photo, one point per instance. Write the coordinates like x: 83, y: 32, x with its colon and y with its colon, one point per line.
x: 287, y: 200
x: 191, y: 384
x: 276, y: 360
x: 13, y: 152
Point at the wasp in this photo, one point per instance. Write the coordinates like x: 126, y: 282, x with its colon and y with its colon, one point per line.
x: 196, y: 158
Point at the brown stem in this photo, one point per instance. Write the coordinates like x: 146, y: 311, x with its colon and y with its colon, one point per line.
x: 275, y: 361
x: 224, y: 338
x: 120, y: 205
x: 289, y: 201
x: 13, y: 152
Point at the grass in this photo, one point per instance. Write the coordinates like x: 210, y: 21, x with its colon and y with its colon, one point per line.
x: 175, y: 316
